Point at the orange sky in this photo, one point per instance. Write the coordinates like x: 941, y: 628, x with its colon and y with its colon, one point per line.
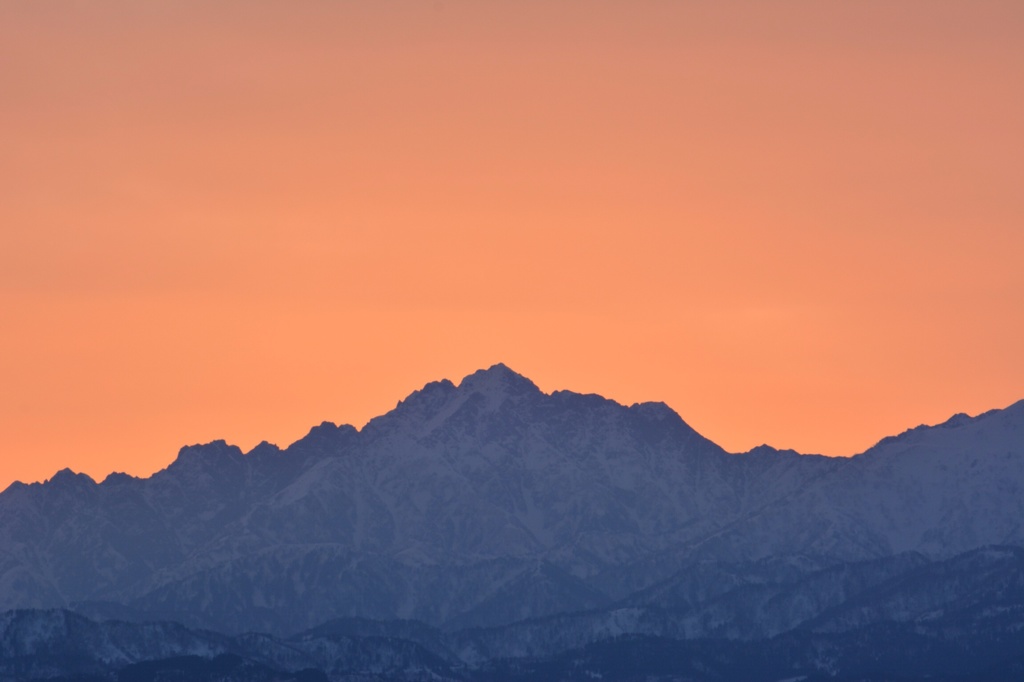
x: 796, y: 223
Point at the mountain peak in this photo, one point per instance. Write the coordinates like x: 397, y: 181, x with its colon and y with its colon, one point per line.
x: 216, y: 448
x: 66, y: 477
x: 439, y: 399
x: 765, y: 450
x: 327, y: 437
x: 118, y: 478
x: 958, y: 419
x: 655, y: 410
x: 497, y: 379
x: 1011, y: 417
x: 214, y: 454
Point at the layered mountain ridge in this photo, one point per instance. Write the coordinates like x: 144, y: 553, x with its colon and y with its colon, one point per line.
x: 490, y: 502
x: 904, y: 617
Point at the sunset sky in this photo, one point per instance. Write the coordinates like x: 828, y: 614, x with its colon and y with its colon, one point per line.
x: 799, y: 223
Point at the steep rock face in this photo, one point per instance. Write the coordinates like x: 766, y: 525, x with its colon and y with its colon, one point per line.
x: 488, y: 502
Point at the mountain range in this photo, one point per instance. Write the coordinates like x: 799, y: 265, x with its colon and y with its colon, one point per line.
x: 489, y: 521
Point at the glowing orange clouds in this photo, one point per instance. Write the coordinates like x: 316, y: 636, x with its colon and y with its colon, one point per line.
x: 799, y: 224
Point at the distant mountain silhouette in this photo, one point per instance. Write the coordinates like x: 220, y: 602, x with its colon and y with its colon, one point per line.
x: 904, y: 618
x: 560, y: 519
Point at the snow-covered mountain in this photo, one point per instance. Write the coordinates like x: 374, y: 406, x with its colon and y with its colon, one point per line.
x: 903, y: 617
x: 490, y: 502
x: 49, y: 644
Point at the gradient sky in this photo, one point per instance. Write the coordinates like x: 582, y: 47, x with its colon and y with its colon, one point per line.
x: 795, y: 223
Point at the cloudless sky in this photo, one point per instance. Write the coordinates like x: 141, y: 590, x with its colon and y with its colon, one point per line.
x: 799, y: 223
